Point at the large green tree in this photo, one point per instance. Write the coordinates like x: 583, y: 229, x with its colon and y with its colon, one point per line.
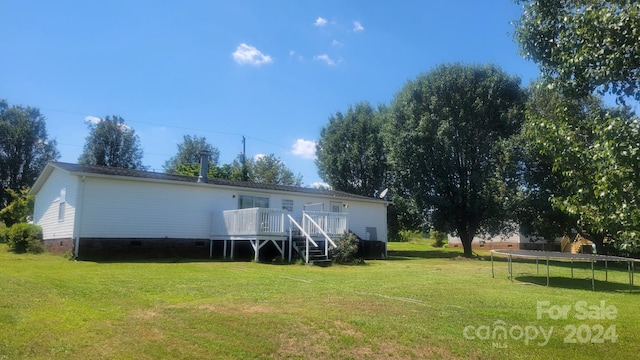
x: 350, y: 152
x: 269, y: 169
x: 594, y: 153
x: 584, y: 45
x: 537, y: 214
x: 112, y: 143
x: 447, y: 143
x: 20, y: 208
x: 189, y: 153
x: 24, y: 148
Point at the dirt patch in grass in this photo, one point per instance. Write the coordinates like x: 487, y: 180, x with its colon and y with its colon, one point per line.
x: 340, y: 340
x: 145, y: 314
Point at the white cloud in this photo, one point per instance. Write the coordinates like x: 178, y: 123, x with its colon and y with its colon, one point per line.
x: 92, y: 119
x: 357, y: 26
x: 293, y: 54
x: 247, y: 54
x: 306, y: 149
x: 257, y: 157
x: 95, y: 120
x: 321, y: 185
x: 325, y: 58
x: 320, y: 21
x: 336, y: 43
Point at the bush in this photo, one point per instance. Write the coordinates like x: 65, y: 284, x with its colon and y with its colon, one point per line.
x: 3, y: 234
x: 440, y: 239
x: 405, y: 235
x: 25, y: 237
x: 346, y: 251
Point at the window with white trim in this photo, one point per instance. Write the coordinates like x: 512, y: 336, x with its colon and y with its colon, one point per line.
x: 249, y: 201
x: 287, y: 204
x: 62, y: 205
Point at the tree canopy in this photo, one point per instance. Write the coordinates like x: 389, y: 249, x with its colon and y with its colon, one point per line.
x: 189, y: 153
x: 350, y: 152
x: 266, y: 169
x: 112, y: 143
x: 446, y: 142
x: 269, y: 169
x: 24, y: 149
x: 594, y: 153
x: 537, y: 214
x: 20, y: 207
x: 584, y: 45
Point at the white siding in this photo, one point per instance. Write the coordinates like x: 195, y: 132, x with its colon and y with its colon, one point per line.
x: 363, y: 215
x: 47, y: 206
x: 114, y: 208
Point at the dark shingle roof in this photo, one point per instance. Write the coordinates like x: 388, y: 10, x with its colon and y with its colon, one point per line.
x: 131, y: 173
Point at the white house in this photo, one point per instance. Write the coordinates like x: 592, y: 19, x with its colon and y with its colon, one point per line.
x: 102, y: 213
x: 514, y: 240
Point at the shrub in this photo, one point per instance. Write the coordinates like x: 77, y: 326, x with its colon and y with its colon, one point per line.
x: 25, y: 237
x: 346, y: 251
x: 3, y: 234
x: 440, y: 239
x: 405, y: 235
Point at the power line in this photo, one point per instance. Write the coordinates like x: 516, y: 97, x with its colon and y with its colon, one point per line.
x: 176, y: 127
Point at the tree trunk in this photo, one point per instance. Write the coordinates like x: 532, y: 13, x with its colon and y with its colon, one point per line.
x: 598, y: 239
x: 466, y: 240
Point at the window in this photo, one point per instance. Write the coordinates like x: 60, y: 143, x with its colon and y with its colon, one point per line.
x: 336, y: 207
x: 63, y: 204
x: 287, y: 204
x: 247, y: 201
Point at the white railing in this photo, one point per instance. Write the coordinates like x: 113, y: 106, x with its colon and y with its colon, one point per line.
x: 315, y: 226
x: 254, y: 221
x: 331, y: 223
x: 307, y: 238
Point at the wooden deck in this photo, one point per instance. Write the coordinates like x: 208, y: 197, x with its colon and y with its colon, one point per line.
x: 260, y: 226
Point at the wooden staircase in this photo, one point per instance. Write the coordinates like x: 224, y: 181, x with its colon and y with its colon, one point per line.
x: 316, y: 253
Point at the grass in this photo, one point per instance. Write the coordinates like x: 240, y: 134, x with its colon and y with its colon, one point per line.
x: 414, y: 305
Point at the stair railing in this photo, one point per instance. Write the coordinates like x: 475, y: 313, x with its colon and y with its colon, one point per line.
x: 326, y: 237
x: 306, y: 236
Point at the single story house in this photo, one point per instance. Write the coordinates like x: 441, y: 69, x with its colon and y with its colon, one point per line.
x: 111, y: 213
x: 514, y: 240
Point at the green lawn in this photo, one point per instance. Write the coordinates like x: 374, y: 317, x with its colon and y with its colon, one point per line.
x: 417, y: 304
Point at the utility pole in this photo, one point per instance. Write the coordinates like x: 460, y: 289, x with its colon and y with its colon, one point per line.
x: 245, y: 177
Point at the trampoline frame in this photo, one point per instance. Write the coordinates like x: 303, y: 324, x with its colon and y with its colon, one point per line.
x: 560, y: 256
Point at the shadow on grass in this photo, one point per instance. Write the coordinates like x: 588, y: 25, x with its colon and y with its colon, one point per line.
x: 163, y: 260
x: 577, y: 283
x: 421, y: 254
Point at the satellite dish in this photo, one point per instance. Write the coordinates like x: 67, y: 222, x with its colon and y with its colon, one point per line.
x: 383, y: 193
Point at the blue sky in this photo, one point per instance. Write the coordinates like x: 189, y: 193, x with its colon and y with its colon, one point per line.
x: 273, y: 71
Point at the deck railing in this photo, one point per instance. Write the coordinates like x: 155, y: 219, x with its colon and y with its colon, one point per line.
x: 253, y: 222
x: 331, y: 223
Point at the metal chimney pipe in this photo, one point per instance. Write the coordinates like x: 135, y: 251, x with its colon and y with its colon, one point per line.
x: 204, y: 167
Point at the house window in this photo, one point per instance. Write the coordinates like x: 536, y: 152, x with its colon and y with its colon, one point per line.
x: 247, y: 201
x: 287, y: 204
x: 336, y: 207
x: 62, y: 205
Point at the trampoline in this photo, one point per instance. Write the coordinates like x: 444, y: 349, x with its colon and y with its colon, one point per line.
x: 560, y: 256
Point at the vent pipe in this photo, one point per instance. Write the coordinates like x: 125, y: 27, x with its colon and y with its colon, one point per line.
x: 204, y: 167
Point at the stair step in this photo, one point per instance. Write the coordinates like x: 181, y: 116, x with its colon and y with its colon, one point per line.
x: 323, y: 262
